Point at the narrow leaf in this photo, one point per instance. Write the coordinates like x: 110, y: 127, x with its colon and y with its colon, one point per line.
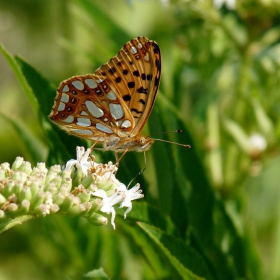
x: 34, y: 147
x: 188, y: 263
x: 23, y: 82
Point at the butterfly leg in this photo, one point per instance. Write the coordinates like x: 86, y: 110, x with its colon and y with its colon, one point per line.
x: 118, y: 159
x: 94, y: 143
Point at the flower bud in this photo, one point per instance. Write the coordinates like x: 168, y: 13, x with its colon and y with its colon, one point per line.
x: 5, y: 166
x: 2, y: 214
x: 66, y: 175
x: 12, y: 208
x: 87, y: 181
x: 57, y: 181
x: 42, y: 210
x: 25, y: 194
x: 67, y: 203
x: 58, y: 198
x: 50, y: 176
x: 77, y: 177
x: 84, y: 196
x: 54, y: 208
x: 37, y: 199
x: 97, y: 220
x: 92, y: 188
x: 96, y: 204
x: 25, y: 167
x: 16, y: 176
x: 35, y: 186
x: 25, y: 204
x: 55, y: 168
x: 2, y: 199
x: 8, y: 189
x: 17, y: 163
x: 76, y: 210
x: 105, y: 185
x: 65, y: 188
x: 41, y: 166
x: 17, y: 187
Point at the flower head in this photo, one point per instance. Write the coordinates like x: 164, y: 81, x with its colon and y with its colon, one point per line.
x: 41, y: 191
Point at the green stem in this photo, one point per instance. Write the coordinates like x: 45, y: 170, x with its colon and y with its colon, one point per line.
x: 14, y: 222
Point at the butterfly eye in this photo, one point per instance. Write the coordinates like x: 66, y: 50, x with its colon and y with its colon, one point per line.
x: 142, y: 141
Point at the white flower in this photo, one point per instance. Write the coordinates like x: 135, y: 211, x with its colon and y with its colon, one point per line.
x: 108, y: 203
x: 257, y: 142
x: 132, y: 194
x: 121, y: 194
x: 81, y: 161
x: 230, y: 4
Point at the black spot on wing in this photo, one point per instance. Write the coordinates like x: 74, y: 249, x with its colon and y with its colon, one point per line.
x: 142, y: 90
x: 157, y: 81
x: 135, y: 111
x: 156, y: 48
x: 112, y: 70
x: 158, y: 64
x: 136, y: 73
x: 131, y: 84
x: 127, y: 97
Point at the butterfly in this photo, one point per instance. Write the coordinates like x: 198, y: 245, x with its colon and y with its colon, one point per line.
x: 112, y: 105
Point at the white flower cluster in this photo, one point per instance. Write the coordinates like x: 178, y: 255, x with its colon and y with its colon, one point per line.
x: 120, y: 195
x: 83, y: 188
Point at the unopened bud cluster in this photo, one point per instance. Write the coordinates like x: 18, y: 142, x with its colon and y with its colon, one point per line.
x: 76, y: 190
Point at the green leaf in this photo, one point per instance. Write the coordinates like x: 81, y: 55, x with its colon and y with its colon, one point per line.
x: 238, y: 134
x: 148, y: 214
x: 34, y: 147
x: 23, y: 82
x: 263, y: 120
x: 42, y: 90
x: 62, y: 146
x: 105, y: 22
x: 187, y: 262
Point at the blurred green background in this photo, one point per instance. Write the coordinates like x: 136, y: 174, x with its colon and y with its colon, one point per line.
x: 220, y: 84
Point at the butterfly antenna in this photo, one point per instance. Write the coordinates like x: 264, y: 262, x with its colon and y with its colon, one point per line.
x: 140, y: 172
x: 166, y: 132
x: 171, y: 142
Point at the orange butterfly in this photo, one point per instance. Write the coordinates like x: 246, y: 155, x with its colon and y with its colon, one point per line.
x: 112, y: 105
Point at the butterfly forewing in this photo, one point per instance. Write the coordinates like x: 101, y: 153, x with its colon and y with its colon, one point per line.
x: 114, y: 102
x: 136, y: 72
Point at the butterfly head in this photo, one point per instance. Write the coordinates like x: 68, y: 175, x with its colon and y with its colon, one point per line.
x: 144, y: 144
